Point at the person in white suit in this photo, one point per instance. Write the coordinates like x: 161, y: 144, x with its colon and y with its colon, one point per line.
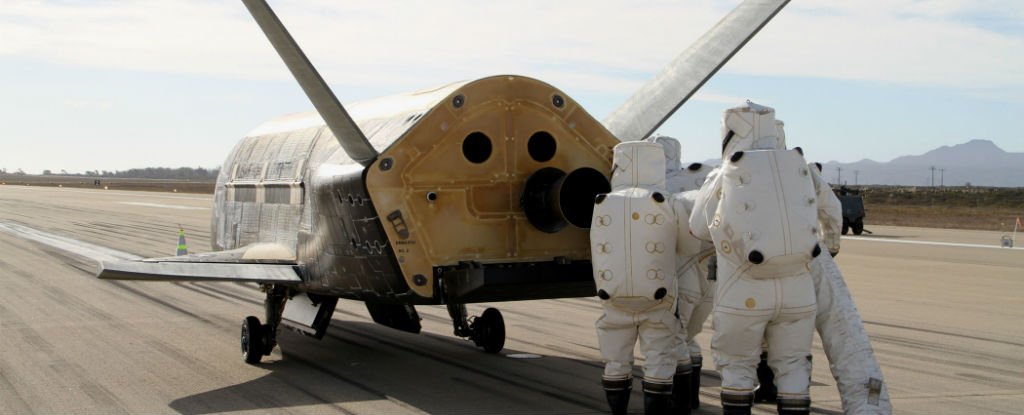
x: 633, y: 245
x: 760, y: 212
x: 847, y: 347
x: 696, y: 291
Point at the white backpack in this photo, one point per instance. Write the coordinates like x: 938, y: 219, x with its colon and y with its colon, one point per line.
x: 767, y: 215
x: 633, y: 234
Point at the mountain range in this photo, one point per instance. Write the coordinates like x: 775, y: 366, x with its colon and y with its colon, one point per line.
x: 976, y: 162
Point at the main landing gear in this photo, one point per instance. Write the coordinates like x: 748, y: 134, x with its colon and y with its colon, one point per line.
x: 257, y: 339
x: 486, y: 330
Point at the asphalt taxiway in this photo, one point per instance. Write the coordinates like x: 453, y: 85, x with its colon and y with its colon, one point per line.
x: 943, y: 309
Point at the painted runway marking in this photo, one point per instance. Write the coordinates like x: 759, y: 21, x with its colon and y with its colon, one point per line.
x: 74, y: 246
x: 158, y: 205
x: 953, y: 244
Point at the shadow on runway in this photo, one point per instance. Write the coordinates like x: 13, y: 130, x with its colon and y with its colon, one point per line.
x: 361, y: 367
x: 365, y: 367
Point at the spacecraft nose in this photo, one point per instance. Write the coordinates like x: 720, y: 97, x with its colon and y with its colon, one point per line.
x: 553, y: 199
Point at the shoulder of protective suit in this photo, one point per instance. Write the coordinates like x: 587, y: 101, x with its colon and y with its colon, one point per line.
x: 683, y: 203
x: 692, y: 177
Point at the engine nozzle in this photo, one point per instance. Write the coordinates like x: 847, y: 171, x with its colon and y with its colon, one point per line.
x: 553, y: 199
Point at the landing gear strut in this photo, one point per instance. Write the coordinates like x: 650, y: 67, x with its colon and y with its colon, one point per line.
x: 257, y: 339
x: 486, y: 330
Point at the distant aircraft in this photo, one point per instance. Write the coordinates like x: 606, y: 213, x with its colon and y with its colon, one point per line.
x: 478, y: 191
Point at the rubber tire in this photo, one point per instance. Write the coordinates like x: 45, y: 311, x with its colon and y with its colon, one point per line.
x: 252, y: 340
x: 489, y: 331
x: 858, y: 227
x: 846, y: 226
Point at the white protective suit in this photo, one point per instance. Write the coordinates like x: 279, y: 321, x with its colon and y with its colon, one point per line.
x: 633, y: 245
x: 693, y: 176
x: 677, y: 178
x: 701, y: 295
x: 764, y: 290
x: 851, y: 358
x: 696, y: 292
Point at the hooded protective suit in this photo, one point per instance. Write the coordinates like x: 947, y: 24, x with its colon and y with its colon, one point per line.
x: 764, y: 291
x: 633, y: 245
x: 846, y: 344
x: 696, y: 292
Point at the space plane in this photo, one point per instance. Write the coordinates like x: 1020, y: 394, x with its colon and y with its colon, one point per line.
x: 472, y: 192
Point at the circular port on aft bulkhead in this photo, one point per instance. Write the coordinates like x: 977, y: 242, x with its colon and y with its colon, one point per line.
x: 541, y: 146
x: 577, y: 193
x: 477, y: 147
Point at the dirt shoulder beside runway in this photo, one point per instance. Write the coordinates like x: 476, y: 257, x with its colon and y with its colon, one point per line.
x: 946, y: 217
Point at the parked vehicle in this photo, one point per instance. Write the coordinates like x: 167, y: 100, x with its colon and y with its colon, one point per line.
x: 853, y: 209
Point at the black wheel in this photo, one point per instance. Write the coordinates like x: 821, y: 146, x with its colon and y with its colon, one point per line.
x: 858, y: 227
x: 252, y: 340
x: 846, y: 226
x: 489, y: 330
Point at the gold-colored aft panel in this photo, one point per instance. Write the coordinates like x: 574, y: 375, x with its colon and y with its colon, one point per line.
x: 440, y: 208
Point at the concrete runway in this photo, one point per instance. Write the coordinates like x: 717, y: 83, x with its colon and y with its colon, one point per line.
x: 945, y: 322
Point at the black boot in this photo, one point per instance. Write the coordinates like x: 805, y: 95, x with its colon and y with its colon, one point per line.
x: 681, y: 390
x: 767, y: 392
x: 737, y: 404
x: 794, y: 406
x: 657, y: 398
x: 617, y: 392
x: 695, y: 382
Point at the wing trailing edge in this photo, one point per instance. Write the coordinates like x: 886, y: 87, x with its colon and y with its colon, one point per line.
x: 263, y: 263
x: 200, y: 271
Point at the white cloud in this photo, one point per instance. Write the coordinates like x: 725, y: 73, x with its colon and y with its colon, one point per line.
x: 602, y: 46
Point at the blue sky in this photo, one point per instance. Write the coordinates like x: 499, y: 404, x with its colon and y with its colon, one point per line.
x: 120, y: 84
